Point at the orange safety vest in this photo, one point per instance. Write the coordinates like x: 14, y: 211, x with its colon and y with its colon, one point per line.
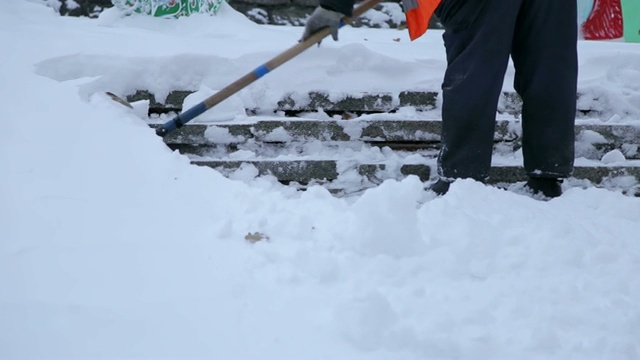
x: 418, y: 13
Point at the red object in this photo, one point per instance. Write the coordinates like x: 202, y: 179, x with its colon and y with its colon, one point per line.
x: 605, y: 21
x: 418, y: 13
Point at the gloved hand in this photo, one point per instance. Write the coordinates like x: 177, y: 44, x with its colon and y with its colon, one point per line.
x: 321, y: 18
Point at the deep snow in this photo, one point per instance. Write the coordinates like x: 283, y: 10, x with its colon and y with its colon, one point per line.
x: 111, y: 245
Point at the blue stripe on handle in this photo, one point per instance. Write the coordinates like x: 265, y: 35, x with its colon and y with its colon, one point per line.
x: 183, y: 118
x: 261, y: 71
x: 341, y: 22
x: 190, y: 114
x: 169, y: 126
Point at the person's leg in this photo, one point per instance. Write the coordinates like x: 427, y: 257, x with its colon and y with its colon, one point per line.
x: 478, y: 38
x: 545, y: 58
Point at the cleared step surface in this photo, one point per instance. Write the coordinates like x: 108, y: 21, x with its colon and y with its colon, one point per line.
x: 278, y: 145
x: 305, y: 171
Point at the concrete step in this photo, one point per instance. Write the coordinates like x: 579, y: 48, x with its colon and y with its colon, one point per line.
x: 592, y: 140
x: 509, y: 103
x: 369, y: 102
x: 324, y: 171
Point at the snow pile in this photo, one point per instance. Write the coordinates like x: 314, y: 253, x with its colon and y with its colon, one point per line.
x: 615, y: 90
x: 111, y: 245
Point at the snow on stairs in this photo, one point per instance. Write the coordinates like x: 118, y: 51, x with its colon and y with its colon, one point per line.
x: 295, y: 148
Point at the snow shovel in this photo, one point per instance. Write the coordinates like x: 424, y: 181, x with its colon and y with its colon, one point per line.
x: 188, y: 115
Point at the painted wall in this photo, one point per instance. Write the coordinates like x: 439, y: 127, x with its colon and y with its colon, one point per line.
x: 609, y: 19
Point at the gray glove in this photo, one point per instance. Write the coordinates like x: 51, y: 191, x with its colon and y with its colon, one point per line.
x: 321, y: 18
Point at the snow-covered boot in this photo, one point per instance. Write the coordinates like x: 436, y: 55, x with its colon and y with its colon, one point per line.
x: 549, y: 187
x: 440, y: 187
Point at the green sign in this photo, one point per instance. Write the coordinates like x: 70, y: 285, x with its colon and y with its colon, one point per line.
x: 168, y: 8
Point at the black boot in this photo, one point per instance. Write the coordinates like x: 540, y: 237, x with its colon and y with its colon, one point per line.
x: 549, y: 187
x: 440, y: 187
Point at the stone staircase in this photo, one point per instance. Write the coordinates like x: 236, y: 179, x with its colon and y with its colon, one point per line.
x: 368, y: 138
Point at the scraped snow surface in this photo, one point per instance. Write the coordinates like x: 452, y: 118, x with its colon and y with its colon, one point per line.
x: 113, y: 246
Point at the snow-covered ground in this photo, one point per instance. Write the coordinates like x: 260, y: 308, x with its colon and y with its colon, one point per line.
x: 113, y: 246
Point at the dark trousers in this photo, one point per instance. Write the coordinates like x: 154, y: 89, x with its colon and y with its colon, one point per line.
x: 541, y: 38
